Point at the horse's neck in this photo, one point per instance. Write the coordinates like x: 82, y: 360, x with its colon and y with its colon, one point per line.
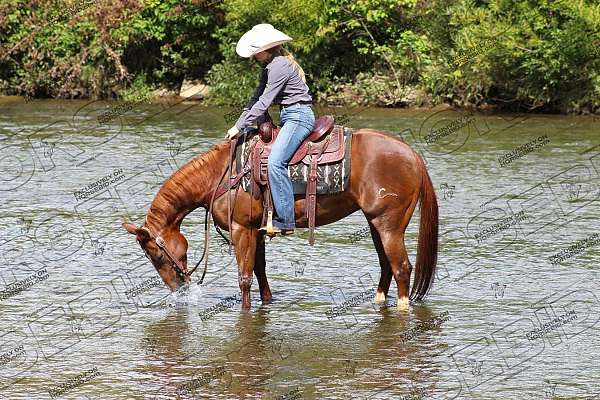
x: 190, y: 187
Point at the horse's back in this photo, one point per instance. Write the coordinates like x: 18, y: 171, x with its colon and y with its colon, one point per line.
x: 370, y: 143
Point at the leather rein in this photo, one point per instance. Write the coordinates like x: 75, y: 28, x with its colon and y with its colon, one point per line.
x: 233, y: 181
x: 180, y: 269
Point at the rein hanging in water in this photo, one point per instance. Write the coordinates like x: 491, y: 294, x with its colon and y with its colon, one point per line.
x: 216, y: 193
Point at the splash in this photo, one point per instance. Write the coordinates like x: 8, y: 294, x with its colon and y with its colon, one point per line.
x: 187, y: 295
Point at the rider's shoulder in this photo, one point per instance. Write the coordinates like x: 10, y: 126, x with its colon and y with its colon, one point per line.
x: 279, y: 63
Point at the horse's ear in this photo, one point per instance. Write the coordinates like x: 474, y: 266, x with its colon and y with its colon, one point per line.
x: 143, y: 234
x: 131, y: 228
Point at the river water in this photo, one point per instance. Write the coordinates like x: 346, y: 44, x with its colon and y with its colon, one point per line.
x: 513, y: 313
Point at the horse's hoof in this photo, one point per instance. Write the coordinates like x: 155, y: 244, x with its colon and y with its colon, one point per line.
x: 266, y: 299
x: 379, y: 298
x: 402, y: 304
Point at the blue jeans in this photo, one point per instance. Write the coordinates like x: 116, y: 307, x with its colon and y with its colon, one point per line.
x: 298, y: 121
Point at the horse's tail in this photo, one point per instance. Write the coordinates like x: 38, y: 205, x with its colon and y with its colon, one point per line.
x: 428, y: 238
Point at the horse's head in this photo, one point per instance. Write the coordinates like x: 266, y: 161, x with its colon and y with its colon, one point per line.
x: 167, y: 252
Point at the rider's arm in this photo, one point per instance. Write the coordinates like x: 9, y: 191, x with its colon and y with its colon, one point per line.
x: 277, y: 76
x: 259, y: 90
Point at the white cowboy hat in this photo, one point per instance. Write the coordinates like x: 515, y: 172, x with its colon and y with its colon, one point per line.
x: 260, y: 37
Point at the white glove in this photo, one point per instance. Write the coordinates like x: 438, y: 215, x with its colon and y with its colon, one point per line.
x: 232, y: 132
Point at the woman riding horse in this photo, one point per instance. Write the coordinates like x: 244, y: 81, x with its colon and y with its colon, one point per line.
x: 373, y: 155
x: 282, y: 82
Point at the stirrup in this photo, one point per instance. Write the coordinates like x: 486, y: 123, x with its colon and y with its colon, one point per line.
x: 269, y: 229
x: 276, y: 231
x: 270, y: 233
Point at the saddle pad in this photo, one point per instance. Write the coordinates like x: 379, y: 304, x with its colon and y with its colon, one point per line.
x: 331, y: 177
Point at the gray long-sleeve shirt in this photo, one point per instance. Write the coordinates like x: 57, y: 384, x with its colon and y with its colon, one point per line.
x: 279, y: 84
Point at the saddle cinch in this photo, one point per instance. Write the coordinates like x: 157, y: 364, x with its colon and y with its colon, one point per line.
x: 325, y: 144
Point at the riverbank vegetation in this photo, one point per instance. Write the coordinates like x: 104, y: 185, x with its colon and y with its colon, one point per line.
x: 541, y: 55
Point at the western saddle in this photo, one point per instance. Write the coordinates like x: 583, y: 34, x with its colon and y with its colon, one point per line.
x: 325, y: 144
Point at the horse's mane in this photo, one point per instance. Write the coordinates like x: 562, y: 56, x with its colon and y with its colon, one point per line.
x: 175, y: 192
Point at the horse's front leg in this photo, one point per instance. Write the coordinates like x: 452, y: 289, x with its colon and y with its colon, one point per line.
x: 245, y: 251
x: 259, y: 270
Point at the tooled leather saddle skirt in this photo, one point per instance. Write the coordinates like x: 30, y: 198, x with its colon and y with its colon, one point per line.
x: 333, y: 167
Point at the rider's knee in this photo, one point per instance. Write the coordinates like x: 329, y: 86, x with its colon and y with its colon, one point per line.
x: 275, y: 163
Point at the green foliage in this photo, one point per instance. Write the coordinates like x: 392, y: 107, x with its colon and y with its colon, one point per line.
x: 543, y: 58
x: 138, y: 91
x: 542, y: 55
x: 232, y: 83
x: 378, y: 88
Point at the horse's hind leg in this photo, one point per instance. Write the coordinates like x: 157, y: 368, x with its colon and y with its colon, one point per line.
x: 391, y: 227
x: 259, y: 270
x: 401, y: 268
x: 386, y: 270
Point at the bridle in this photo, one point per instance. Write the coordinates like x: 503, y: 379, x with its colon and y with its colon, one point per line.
x: 180, y: 269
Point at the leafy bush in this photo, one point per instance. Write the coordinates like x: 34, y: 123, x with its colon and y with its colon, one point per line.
x: 541, y: 56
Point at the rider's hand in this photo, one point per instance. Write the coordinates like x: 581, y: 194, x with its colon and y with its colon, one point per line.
x: 232, y: 132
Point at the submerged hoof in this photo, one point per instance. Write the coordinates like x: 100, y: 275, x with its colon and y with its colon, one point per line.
x: 379, y: 298
x: 403, y: 304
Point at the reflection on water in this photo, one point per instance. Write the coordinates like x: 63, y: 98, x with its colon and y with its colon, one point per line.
x: 499, y: 276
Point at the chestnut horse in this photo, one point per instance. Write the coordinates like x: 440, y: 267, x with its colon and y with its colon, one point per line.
x: 386, y: 181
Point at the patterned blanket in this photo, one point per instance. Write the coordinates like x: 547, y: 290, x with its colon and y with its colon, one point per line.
x: 331, y: 177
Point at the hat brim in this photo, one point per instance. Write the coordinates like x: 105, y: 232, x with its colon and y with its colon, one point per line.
x: 248, y: 50
x: 245, y: 49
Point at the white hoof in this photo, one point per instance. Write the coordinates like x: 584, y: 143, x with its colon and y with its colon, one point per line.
x: 379, y: 298
x: 402, y: 304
